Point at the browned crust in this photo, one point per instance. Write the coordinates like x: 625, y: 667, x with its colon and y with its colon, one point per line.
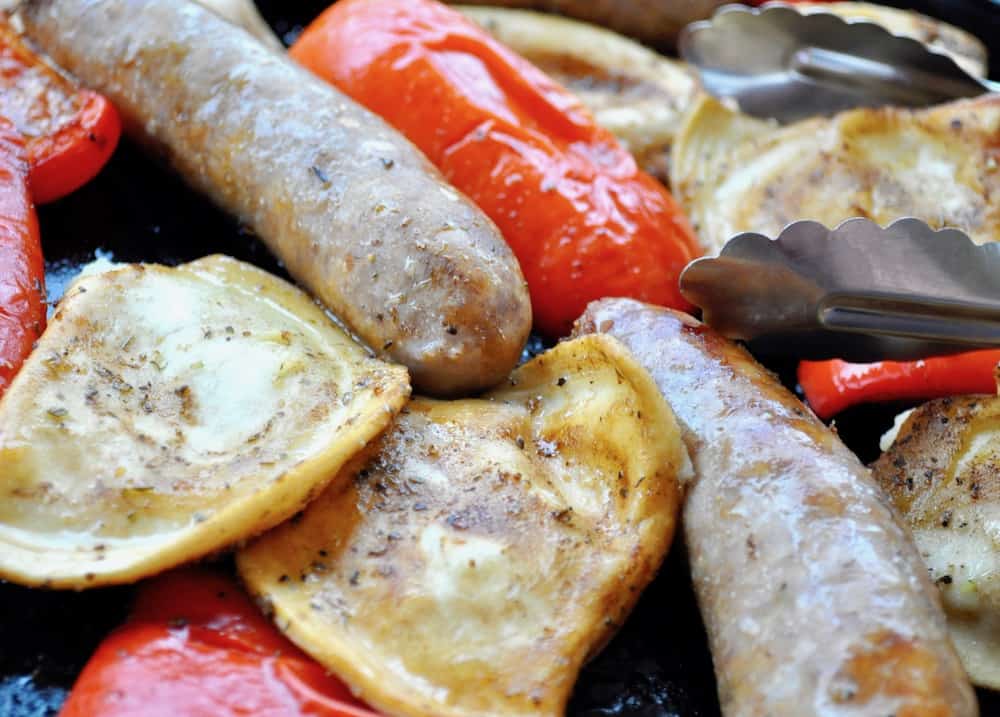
x: 921, y: 460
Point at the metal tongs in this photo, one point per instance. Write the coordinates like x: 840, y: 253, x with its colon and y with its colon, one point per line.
x: 776, y: 62
x: 857, y: 292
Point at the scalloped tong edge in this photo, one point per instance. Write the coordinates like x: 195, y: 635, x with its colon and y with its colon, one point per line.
x: 776, y: 62
x: 858, y: 292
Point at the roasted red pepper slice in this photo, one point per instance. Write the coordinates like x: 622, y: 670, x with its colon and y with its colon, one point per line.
x: 70, y: 133
x: 195, y: 646
x: 581, y: 217
x: 22, y: 270
x: 832, y: 386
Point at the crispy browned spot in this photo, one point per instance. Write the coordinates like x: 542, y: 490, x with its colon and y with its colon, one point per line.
x: 826, y: 502
x: 896, y: 667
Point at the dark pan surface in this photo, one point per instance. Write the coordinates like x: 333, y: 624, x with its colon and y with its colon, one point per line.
x: 658, y: 666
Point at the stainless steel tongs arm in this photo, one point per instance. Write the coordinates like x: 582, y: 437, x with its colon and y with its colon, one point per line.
x: 887, y: 79
x: 780, y: 63
x: 913, y: 316
x: 858, y: 291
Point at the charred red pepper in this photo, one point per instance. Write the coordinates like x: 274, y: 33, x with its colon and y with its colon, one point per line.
x: 70, y: 133
x: 832, y: 386
x: 195, y: 646
x: 22, y: 270
x: 581, y: 217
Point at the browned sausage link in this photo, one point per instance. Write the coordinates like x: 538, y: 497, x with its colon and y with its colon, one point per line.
x: 657, y: 22
x: 357, y: 213
x: 815, y: 600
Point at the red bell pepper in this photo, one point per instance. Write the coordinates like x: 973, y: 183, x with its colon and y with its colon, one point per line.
x: 581, y: 217
x: 195, y: 646
x: 70, y: 132
x: 22, y: 271
x: 832, y: 386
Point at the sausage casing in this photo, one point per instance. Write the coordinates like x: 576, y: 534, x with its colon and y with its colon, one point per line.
x: 814, y: 598
x: 357, y: 214
x: 657, y: 22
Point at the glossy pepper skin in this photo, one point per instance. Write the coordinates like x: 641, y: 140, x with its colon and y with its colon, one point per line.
x: 582, y: 219
x: 195, y: 646
x: 22, y: 270
x: 70, y: 133
x: 832, y: 386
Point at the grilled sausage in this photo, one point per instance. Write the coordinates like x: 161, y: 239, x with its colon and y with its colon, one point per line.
x: 814, y: 598
x: 244, y: 13
x: 357, y: 213
x: 657, y: 22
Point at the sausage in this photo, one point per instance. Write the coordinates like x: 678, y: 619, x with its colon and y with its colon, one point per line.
x: 244, y: 13
x: 657, y: 22
x: 357, y: 214
x: 814, y: 597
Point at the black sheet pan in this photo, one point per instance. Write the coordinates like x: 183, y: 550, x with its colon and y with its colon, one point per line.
x: 658, y: 666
